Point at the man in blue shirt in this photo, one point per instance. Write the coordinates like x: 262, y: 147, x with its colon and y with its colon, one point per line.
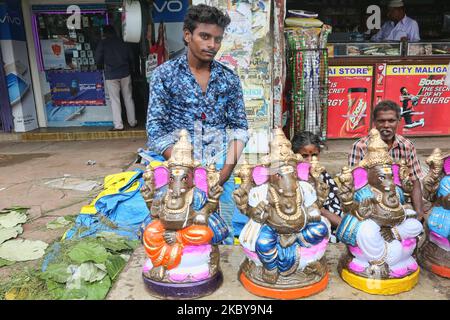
x: 197, y: 93
x: 399, y: 26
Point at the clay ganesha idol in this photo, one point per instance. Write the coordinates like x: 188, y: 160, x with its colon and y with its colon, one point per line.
x: 434, y: 255
x: 285, y: 239
x: 181, y: 240
x: 380, y: 227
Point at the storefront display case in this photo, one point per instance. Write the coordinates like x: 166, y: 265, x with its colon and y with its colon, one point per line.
x: 428, y: 48
x: 72, y: 82
x: 344, y: 49
x: 64, y: 48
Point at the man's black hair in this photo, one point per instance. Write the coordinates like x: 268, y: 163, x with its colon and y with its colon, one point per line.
x: 386, y: 105
x: 203, y: 13
x: 304, y: 138
x: 401, y: 89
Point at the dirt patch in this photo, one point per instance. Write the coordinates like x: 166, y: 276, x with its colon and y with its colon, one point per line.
x: 8, y: 159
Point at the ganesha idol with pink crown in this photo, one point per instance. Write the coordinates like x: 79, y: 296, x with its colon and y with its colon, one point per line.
x: 380, y: 227
x: 434, y: 255
x: 285, y: 239
x: 181, y: 240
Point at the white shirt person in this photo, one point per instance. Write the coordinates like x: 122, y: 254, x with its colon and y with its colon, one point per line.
x: 390, y: 31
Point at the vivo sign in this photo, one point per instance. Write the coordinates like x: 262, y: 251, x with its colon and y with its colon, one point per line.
x: 169, y: 10
x: 11, y: 20
x: 170, y: 6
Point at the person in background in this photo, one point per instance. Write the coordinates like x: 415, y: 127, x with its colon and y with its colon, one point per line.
x: 308, y: 145
x: 117, y: 58
x: 197, y: 93
x: 399, y: 27
x: 386, y: 117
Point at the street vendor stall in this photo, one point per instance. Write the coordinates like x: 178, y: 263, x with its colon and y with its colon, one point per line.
x: 363, y: 72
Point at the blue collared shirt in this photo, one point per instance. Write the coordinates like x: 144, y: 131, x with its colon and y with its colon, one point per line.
x: 390, y: 31
x: 213, y: 119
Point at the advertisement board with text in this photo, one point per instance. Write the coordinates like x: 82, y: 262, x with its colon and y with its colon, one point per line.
x: 423, y: 97
x: 349, y: 97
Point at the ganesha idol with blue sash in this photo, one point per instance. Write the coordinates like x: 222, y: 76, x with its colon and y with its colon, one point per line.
x: 380, y: 227
x: 434, y: 255
x: 181, y: 239
x: 285, y: 239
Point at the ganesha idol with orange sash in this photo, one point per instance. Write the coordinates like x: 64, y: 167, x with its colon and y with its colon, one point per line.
x: 181, y: 239
x: 380, y: 227
x: 285, y: 239
x: 434, y: 255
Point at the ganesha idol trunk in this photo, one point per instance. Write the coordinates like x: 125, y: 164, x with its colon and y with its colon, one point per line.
x: 197, y: 275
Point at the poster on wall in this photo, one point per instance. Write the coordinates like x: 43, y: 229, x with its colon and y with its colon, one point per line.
x: 53, y: 54
x: 423, y: 97
x: 247, y: 49
x: 72, y: 88
x: 16, y: 66
x: 349, y: 96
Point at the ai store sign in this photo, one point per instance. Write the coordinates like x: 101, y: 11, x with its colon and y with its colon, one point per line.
x: 17, y: 70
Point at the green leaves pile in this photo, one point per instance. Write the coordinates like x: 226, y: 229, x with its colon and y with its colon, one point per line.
x: 86, y: 268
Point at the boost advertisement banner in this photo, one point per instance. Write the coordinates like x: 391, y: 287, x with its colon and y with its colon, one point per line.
x: 349, y: 96
x: 423, y: 97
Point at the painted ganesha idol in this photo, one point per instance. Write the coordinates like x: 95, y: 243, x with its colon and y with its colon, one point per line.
x: 380, y: 227
x: 434, y: 255
x: 285, y: 239
x: 181, y: 239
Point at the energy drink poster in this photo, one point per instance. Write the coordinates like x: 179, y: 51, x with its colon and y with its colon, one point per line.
x: 72, y: 88
x: 349, y: 96
x: 424, y: 98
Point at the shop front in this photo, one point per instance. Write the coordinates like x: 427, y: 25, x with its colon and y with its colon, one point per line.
x: 362, y: 72
x: 72, y: 86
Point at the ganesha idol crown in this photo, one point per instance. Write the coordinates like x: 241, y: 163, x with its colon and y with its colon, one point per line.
x: 182, y: 152
x: 280, y: 150
x: 377, y: 151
